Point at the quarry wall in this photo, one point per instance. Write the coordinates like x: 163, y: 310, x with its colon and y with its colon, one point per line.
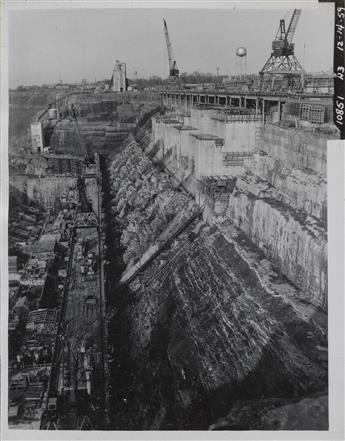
x: 297, y: 148
x: 280, y: 197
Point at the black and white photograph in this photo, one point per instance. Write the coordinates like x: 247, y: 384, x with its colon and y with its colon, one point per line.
x: 166, y: 263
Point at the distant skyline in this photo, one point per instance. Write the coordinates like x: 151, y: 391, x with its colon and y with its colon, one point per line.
x: 48, y: 45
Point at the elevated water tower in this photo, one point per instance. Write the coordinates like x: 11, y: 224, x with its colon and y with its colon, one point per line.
x: 241, y: 55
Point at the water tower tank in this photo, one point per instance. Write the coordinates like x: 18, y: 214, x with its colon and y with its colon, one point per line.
x: 241, y: 51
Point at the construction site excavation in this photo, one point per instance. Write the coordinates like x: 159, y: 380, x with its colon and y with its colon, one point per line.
x: 168, y: 236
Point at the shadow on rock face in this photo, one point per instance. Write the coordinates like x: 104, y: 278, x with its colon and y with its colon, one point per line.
x: 277, y: 414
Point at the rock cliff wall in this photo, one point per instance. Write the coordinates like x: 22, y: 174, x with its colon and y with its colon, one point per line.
x: 303, y: 192
x: 298, y: 148
x: 297, y: 245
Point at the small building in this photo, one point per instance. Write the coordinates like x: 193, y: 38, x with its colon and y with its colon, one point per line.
x: 119, y: 81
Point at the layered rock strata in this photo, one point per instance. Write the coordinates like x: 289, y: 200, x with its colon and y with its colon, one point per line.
x: 212, y: 314
x: 144, y: 200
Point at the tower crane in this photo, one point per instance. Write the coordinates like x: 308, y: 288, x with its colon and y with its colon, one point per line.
x: 282, y: 60
x: 173, y: 69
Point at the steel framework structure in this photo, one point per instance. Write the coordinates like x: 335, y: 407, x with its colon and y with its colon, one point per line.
x: 282, y: 62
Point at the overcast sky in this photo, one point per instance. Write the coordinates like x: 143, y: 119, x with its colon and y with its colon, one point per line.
x: 48, y: 45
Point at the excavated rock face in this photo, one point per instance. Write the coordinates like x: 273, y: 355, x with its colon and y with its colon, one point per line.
x: 298, y: 245
x: 143, y: 199
x: 274, y: 414
x: 301, y: 191
x: 278, y: 197
x: 209, y: 324
x: 225, y: 330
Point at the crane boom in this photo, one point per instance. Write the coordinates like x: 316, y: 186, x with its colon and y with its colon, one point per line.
x: 293, y: 24
x: 173, y: 70
x: 167, y: 39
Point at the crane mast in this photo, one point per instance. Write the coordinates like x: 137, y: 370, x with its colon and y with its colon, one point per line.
x: 173, y: 69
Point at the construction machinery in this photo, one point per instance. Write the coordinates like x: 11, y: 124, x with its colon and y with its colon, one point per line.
x: 283, y: 65
x: 173, y: 69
